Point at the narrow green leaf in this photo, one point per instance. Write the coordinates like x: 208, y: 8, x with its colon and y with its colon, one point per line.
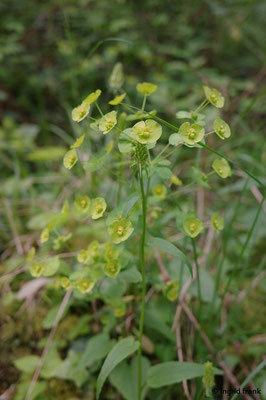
x: 119, y: 352
x: 170, y: 248
x: 172, y: 372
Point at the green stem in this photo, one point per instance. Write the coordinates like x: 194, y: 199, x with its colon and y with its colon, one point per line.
x: 202, y: 105
x: 142, y: 268
x: 198, y: 275
x: 144, y: 103
x: 99, y: 108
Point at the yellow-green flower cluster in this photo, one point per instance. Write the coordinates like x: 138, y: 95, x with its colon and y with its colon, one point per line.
x: 85, y: 285
x: 222, y: 168
x: 70, y: 159
x: 145, y: 132
x: 217, y: 221
x: 107, y: 122
x: 171, y: 290
x: 80, y: 112
x: 120, y: 230
x: 214, y: 96
x: 97, y: 207
x: 193, y: 226
x: 146, y: 88
x: 191, y: 133
x: 82, y: 203
x: 208, y: 377
x: 159, y: 191
x: 222, y: 129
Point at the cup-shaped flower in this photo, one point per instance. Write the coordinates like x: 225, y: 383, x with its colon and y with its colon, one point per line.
x: 83, y: 256
x: 171, y: 290
x: 45, y: 235
x: 111, y: 252
x: 217, y: 221
x: 222, y: 168
x: 70, y: 158
x: 148, y: 131
x: 92, y: 97
x: 36, y: 269
x: 175, y: 180
x: 191, y: 133
x: 80, y: 112
x: 193, y: 226
x: 120, y: 230
x: 159, y: 191
x: 146, y: 88
x: 107, y: 122
x: 65, y: 283
x: 112, y: 268
x: 214, y: 96
x: 85, y: 285
x: 117, y: 100
x: 97, y: 207
x: 222, y: 129
x: 82, y: 203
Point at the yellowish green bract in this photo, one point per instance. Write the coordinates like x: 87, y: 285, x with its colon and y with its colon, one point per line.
x: 222, y: 129
x: 191, y: 133
x: 146, y: 88
x: 80, y: 112
x: 193, y: 226
x: 176, y: 181
x: 171, y: 290
x: 92, y: 97
x: 217, y: 221
x: 70, y: 158
x: 117, y: 100
x: 107, y: 122
x: 159, y: 191
x: 214, y: 96
x: 112, y: 268
x: 82, y: 203
x: 120, y: 230
x: 65, y: 283
x: 83, y: 256
x: 222, y: 168
x: 36, y: 269
x: 148, y: 131
x: 78, y: 142
x: 85, y: 285
x: 45, y: 235
x: 97, y: 207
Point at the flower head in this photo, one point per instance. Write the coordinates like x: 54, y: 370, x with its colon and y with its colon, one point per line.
x: 112, y: 269
x: 222, y: 129
x: 65, y: 283
x: 117, y: 100
x: 92, y: 97
x: 107, y: 122
x: 36, y: 269
x: 171, y: 290
x: 111, y: 252
x: 193, y: 226
x: 159, y: 191
x: 217, y: 221
x: 191, y: 133
x: 97, y: 207
x: 214, y: 96
x: 85, y: 285
x: 83, y: 256
x: 70, y: 158
x: 82, y: 203
x: 146, y: 88
x: 120, y: 230
x: 222, y: 168
x: 80, y: 112
x: 148, y: 131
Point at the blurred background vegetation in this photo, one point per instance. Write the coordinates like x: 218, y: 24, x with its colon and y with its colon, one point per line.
x: 52, y: 54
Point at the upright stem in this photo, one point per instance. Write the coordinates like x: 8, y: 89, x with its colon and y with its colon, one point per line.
x: 198, y: 275
x: 142, y: 268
